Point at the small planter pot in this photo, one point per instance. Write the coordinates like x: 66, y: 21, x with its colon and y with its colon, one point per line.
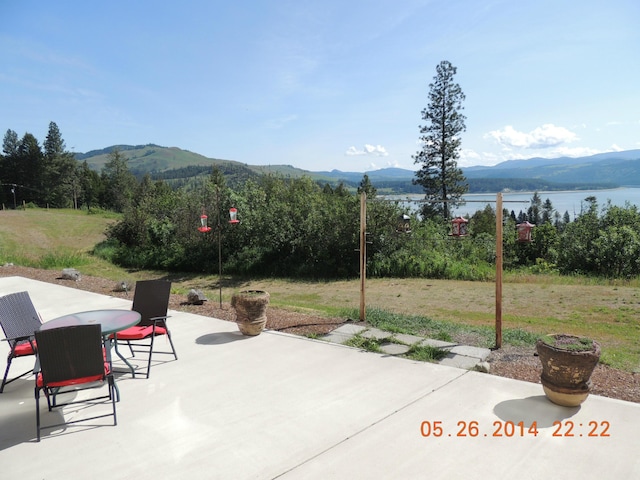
x: 566, y: 370
x: 251, y: 311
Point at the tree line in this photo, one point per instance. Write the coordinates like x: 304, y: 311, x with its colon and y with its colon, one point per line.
x: 297, y: 227
x: 50, y: 176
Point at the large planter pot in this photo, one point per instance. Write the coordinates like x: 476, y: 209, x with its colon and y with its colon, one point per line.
x: 567, y: 365
x: 251, y: 310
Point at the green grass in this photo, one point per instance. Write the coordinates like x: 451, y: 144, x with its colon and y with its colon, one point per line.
x: 426, y: 353
x: 364, y: 343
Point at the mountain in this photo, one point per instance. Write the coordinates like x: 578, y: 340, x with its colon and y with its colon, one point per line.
x: 617, y: 168
x: 146, y: 158
x: 604, y: 170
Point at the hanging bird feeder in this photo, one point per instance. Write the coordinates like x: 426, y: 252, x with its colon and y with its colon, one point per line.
x: 524, y: 232
x: 233, y: 215
x: 459, y: 227
x: 404, y: 224
x: 203, y: 224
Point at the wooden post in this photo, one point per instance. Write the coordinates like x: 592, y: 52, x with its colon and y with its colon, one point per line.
x: 499, y: 270
x: 363, y: 254
x: 219, y: 228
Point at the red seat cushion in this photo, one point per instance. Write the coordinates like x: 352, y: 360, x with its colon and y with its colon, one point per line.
x: 74, y: 381
x: 23, y: 349
x: 138, y: 333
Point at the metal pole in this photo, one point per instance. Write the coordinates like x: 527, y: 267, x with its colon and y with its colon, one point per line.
x: 363, y: 254
x: 499, y: 270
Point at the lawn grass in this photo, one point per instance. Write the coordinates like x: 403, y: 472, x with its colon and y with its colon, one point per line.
x: 532, y: 305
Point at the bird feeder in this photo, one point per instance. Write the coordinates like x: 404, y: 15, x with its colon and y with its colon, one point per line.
x: 203, y: 224
x: 459, y: 227
x: 404, y: 224
x: 524, y: 231
x: 233, y: 215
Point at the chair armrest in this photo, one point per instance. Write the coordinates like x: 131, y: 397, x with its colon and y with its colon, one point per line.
x: 18, y: 339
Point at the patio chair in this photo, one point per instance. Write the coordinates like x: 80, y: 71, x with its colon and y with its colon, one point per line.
x: 72, y: 359
x: 151, y: 301
x: 19, y: 319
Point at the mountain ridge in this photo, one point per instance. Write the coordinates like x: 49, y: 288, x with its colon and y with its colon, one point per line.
x: 606, y: 169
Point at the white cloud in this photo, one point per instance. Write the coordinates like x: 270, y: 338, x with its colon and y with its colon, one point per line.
x: 548, y: 135
x: 377, y: 151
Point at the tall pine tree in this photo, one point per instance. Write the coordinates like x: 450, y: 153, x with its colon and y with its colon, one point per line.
x: 442, y: 180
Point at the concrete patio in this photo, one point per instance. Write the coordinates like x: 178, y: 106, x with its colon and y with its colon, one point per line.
x: 282, y: 406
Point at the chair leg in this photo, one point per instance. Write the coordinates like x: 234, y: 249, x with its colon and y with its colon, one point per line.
x: 37, y: 393
x: 112, y: 394
x: 171, y: 343
x: 150, y: 353
x: 6, y: 373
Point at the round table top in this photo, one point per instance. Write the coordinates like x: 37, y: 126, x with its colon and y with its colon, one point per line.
x: 111, y: 321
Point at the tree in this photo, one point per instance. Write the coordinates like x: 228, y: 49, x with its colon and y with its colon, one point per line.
x: 119, y: 183
x: 8, y: 164
x: 440, y: 136
x: 28, y: 169
x: 547, y: 211
x: 367, y: 187
x: 60, y: 182
x: 90, y: 186
x: 533, y: 212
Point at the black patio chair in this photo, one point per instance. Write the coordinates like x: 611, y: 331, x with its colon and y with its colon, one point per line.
x: 72, y: 359
x: 19, y: 319
x: 151, y: 301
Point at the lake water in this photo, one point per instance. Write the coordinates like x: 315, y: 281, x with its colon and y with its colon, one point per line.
x: 565, y: 201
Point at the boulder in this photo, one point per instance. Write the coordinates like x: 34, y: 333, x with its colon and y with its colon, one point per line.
x: 71, y: 274
x: 196, y: 297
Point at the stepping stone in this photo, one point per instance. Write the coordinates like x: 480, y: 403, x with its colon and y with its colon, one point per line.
x: 438, y: 343
x: 408, y: 339
x: 476, y: 352
x: 376, y: 333
x: 459, y: 361
x: 342, y: 333
x: 394, y: 348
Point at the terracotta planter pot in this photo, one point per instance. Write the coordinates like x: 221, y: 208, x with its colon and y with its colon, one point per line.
x: 251, y: 311
x: 566, y: 373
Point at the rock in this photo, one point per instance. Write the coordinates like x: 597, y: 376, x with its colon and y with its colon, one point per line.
x: 196, y: 297
x: 122, y: 286
x: 483, y: 367
x: 71, y: 274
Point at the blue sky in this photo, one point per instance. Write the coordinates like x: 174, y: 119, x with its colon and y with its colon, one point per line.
x: 322, y: 84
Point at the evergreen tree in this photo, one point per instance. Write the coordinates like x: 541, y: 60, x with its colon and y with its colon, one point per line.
x: 367, y: 187
x: 547, y: 211
x: 8, y: 165
x: 60, y: 173
x: 533, y: 212
x: 440, y: 136
x: 28, y: 170
x: 90, y: 186
x: 118, y: 182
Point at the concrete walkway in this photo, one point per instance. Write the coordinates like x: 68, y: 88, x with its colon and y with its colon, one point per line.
x: 287, y: 407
